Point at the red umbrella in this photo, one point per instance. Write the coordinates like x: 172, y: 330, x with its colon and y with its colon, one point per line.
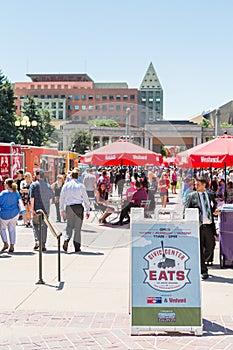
x: 216, y: 153
x: 121, y: 153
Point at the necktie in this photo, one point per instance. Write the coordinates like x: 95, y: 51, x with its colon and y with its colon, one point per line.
x: 207, y: 208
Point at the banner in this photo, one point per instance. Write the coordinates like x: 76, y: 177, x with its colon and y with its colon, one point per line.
x: 165, y: 284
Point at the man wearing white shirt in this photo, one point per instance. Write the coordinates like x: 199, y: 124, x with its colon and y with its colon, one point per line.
x: 73, y: 196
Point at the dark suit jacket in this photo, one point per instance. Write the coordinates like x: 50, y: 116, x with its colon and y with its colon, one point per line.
x: 193, y: 201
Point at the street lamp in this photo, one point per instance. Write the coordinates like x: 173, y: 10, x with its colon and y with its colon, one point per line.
x: 127, y: 123
x: 217, y: 115
x: 25, y: 124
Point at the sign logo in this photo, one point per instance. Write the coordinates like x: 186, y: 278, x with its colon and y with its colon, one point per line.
x: 110, y: 157
x: 166, y: 268
x: 209, y: 159
x: 139, y: 157
x: 154, y: 300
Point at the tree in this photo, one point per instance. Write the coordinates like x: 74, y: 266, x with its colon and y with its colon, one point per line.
x: 205, y: 123
x: 104, y: 122
x: 8, y: 131
x: 48, y: 127
x: 38, y: 135
x: 80, y: 141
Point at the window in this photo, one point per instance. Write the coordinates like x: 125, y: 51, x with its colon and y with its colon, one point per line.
x: 46, y: 104
x: 90, y: 117
x: 55, y: 96
x: 83, y: 107
x: 35, y: 96
x: 97, y: 97
x: 118, y: 117
x: 39, y: 104
x: 90, y: 107
x: 111, y: 97
x: 54, y: 105
x: 118, y: 97
x: 63, y: 96
x: 104, y: 97
x: 60, y: 115
x: 49, y: 96
x: 70, y: 97
x: 76, y: 108
x: 111, y: 107
x: 132, y: 97
x: 41, y: 96
x: 76, y: 117
x: 76, y: 97
x: 125, y: 97
x: 97, y: 107
x: 60, y: 105
x: 83, y: 97
x: 104, y: 107
x: 118, y: 107
x: 90, y: 97
x: 70, y: 107
x: 22, y: 97
x: 83, y: 118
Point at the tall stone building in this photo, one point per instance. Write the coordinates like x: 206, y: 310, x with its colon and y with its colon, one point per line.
x: 150, y: 98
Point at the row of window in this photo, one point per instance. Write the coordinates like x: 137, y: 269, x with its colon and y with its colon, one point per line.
x: 86, y: 97
x: 104, y: 117
x: 100, y: 107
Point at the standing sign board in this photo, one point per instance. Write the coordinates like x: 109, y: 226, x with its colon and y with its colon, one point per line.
x: 165, y: 274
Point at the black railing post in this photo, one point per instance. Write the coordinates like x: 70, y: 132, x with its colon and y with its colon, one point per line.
x: 40, y: 281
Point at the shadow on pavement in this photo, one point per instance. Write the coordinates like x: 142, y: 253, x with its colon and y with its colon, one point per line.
x: 212, y: 327
x: 86, y: 253
x: 23, y: 253
x: 219, y: 279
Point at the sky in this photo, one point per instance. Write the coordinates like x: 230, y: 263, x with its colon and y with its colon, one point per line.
x: 189, y: 43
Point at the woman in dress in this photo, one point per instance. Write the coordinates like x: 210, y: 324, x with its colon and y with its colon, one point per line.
x: 24, y: 190
x: 163, y: 186
x: 9, y: 213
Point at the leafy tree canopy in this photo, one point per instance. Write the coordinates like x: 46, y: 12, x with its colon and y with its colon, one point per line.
x: 8, y: 133
x: 80, y: 141
x: 205, y: 123
x: 103, y: 122
x: 37, y: 135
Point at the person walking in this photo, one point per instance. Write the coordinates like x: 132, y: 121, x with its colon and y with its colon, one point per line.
x: 163, y: 185
x: 73, y: 196
x: 206, y: 204
x: 57, y: 187
x: 9, y: 213
x: 89, y: 182
x: 41, y: 197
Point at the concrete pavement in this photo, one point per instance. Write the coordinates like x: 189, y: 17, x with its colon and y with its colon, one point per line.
x: 89, y: 309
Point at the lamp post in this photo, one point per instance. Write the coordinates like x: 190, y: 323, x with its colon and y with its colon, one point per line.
x: 217, y: 115
x: 25, y: 124
x: 127, y: 124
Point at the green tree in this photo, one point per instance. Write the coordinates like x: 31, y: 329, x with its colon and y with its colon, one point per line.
x: 103, y: 122
x: 163, y: 151
x: 8, y: 131
x: 80, y: 141
x: 48, y: 127
x: 37, y: 135
x: 205, y: 123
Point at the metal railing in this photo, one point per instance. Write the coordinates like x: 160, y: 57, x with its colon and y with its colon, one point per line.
x: 43, y: 217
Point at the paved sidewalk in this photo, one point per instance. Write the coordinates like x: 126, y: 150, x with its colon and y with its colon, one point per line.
x: 89, y: 309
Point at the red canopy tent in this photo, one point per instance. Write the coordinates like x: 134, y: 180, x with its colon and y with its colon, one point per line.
x: 121, y: 153
x: 216, y: 153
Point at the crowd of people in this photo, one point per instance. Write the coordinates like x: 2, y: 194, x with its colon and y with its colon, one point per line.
x: 69, y: 193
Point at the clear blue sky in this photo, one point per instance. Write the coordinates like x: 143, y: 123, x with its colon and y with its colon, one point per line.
x: 189, y: 43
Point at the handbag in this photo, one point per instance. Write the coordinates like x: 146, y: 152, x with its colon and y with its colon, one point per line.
x: 21, y: 206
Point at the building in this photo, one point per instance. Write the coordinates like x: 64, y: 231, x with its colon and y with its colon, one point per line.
x: 75, y: 97
x: 150, y: 98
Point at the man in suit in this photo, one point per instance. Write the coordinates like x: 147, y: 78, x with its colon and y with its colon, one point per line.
x: 206, y: 204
